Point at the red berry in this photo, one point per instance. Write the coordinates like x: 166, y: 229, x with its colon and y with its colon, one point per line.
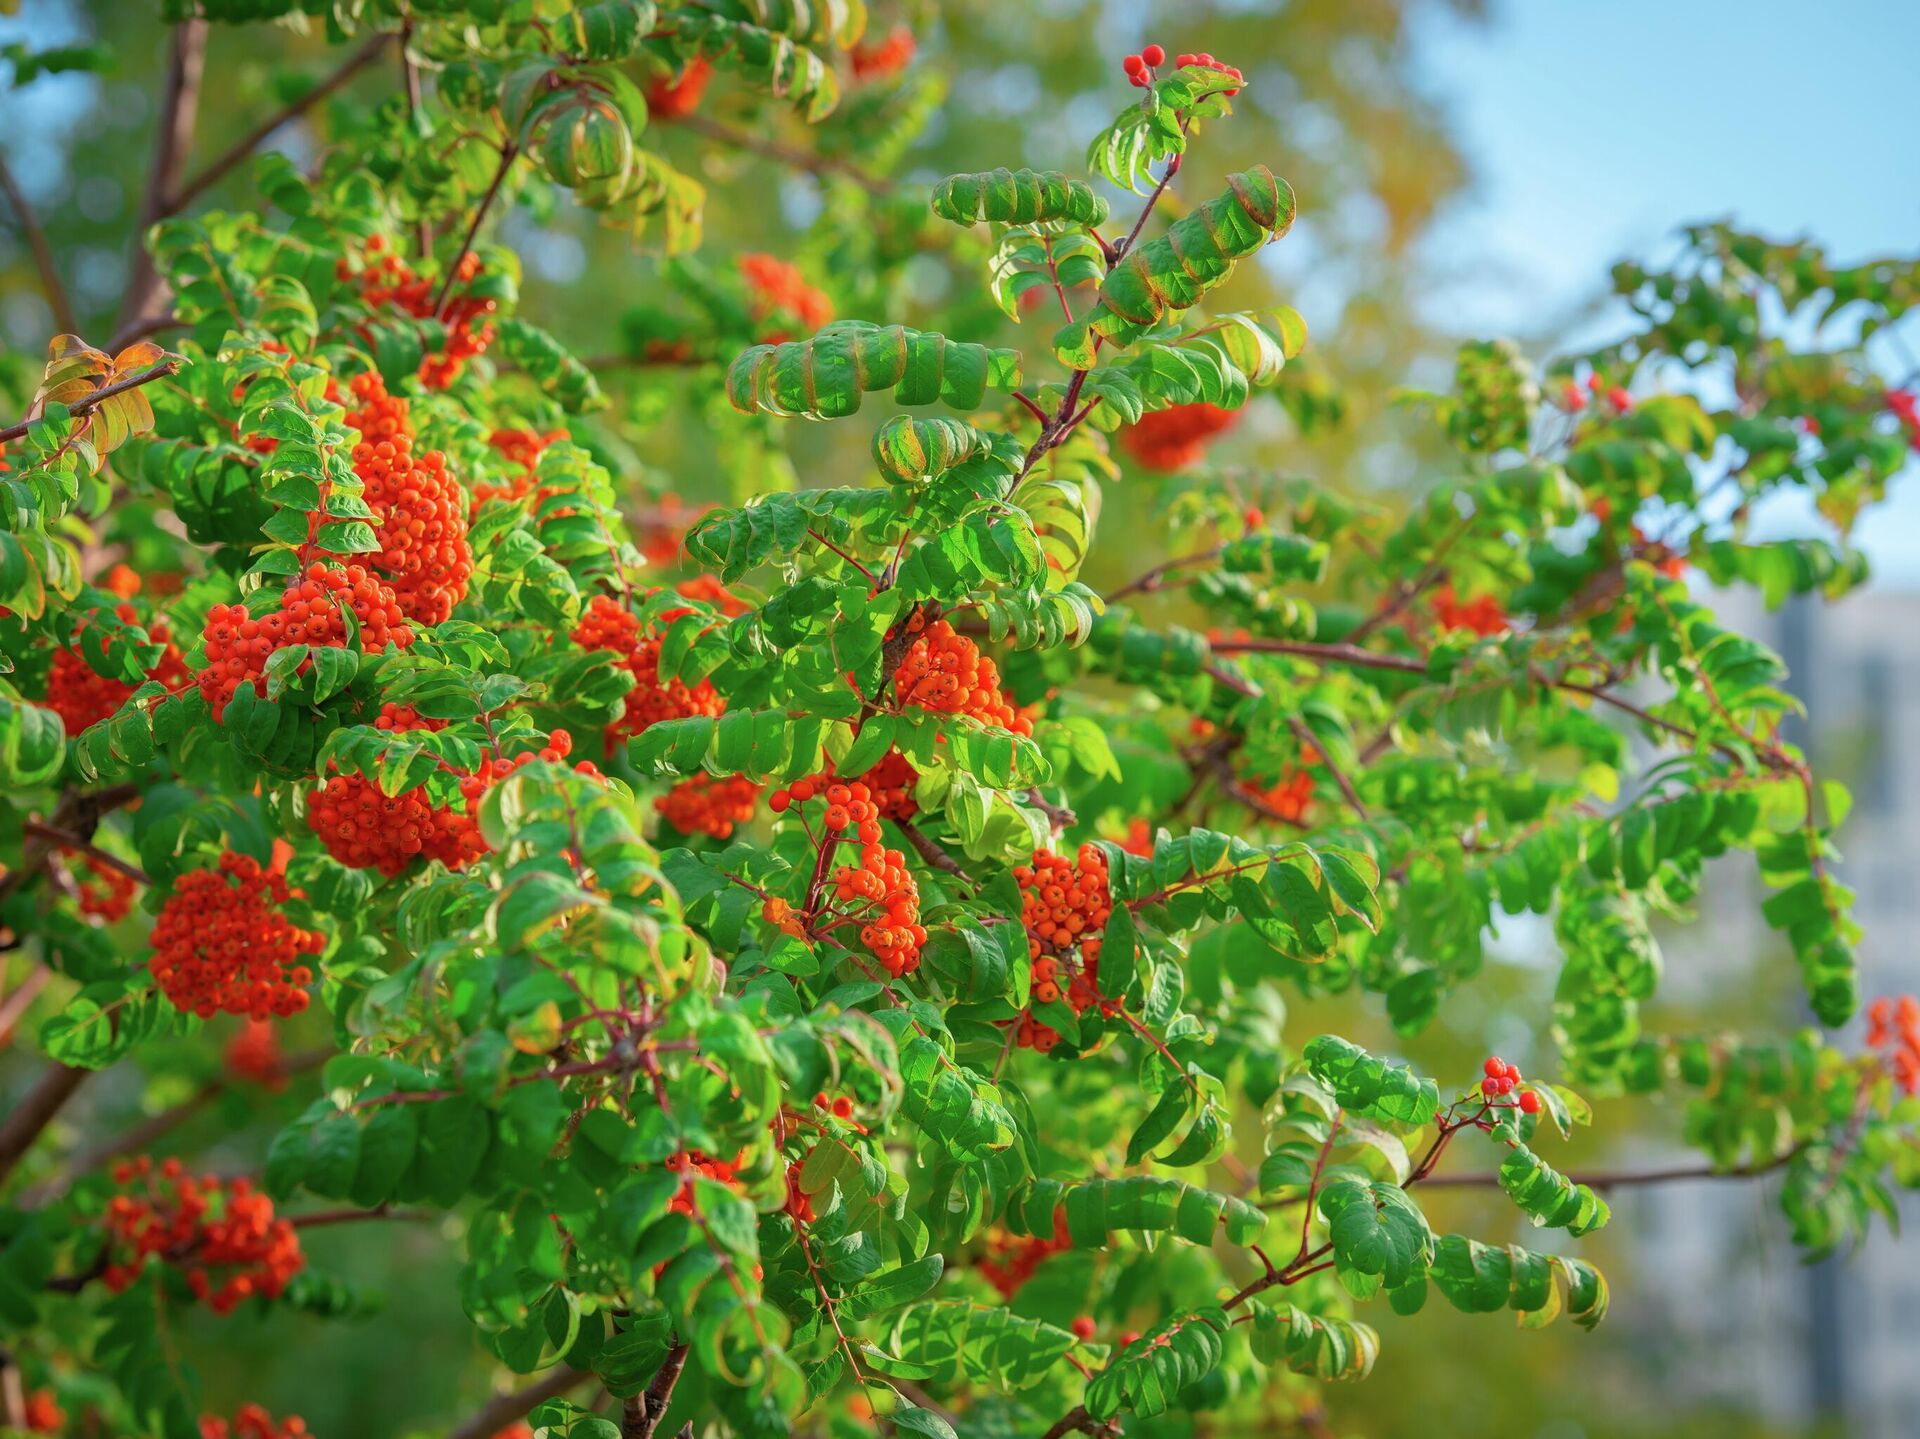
x: 1530, y: 1102
x: 1494, y: 1067
x: 1153, y: 55
x: 1511, y: 1073
x: 1083, y: 1326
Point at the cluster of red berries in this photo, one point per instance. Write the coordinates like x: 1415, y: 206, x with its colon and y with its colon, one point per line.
x: 1290, y: 797
x: 82, y: 697
x: 1138, y: 839
x: 522, y: 448
x: 386, y: 279
x: 690, y: 1163
x: 41, y: 1411
x: 891, y: 783
x: 1010, y: 1262
x: 849, y: 804
x: 559, y: 745
x: 1482, y: 614
x: 661, y: 529
x: 221, y: 1233
x: 945, y: 672
x: 250, y: 1421
x: 253, y: 1055
x: 363, y: 828
x: 104, y: 892
x: 709, y: 590
x: 799, y: 1205
x: 1617, y: 396
x: 778, y: 287
x: 237, y: 645
x: 675, y: 97
x: 880, y: 892
x: 1178, y: 436
x: 709, y: 804
x: 221, y: 944
x: 419, y: 512
x: 1064, y: 907
x: 1500, y: 1078
x: 884, y: 59
x: 1894, y: 1025
x: 1140, y: 67
x: 1905, y: 406
x: 608, y: 626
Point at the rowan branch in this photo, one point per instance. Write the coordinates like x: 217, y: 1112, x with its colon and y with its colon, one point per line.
x: 43, y: 261
x: 504, y: 1409
x: 87, y: 404
x: 931, y: 852
x: 179, y: 106
x: 292, y: 110
x: 507, y: 153
x: 57, y: 1084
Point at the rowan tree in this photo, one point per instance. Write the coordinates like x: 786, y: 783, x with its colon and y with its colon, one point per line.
x: 827, y: 966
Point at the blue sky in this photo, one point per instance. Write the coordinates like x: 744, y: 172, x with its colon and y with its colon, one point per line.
x: 1595, y: 129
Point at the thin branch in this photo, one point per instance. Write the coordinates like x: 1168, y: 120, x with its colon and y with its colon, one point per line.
x: 1153, y: 578
x: 88, y: 403
x: 504, y: 1409
x: 1331, y: 654
x: 42, y: 252
x: 251, y: 141
x: 507, y: 153
x: 1307, y: 740
x: 1625, y: 1178
x: 179, y: 105
x: 325, y: 1218
x: 87, y: 847
x: 810, y: 161
x: 931, y: 852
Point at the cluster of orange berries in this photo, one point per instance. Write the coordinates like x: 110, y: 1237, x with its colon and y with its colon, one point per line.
x: 221, y: 1233
x: 709, y: 804
x: 608, y: 626
x: 883, y: 59
x: 884, y: 890
x: 799, y: 1205
x: 691, y: 1162
x: 1290, y: 797
x: 363, y: 828
x: 253, y: 1054
x: 661, y: 530
x: 558, y: 746
x: 779, y: 287
x: 41, y: 1411
x: 522, y: 448
x: 419, y: 512
x: 677, y: 96
x: 1010, y: 1262
x: 890, y: 782
x: 237, y: 644
x: 386, y: 279
x: 1064, y: 905
x: 1178, y: 436
x: 1482, y: 614
x: 82, y: 697
x: 104, y: 892
x: 250, y: 1421
x: 1617, y: 396
x: 221, y: 945
x: 944, y: 671
x: 1894, y: 1025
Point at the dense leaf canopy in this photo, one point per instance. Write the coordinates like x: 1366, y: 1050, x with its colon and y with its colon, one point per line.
x: 824, y: 963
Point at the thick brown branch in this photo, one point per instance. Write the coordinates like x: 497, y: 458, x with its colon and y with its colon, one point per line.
x: 178, y: 200
x: 87, y: 847
x: 179, y: 105
x: 42, y: 252
x: 645, y: 1411
x: 504, y: 1409
x: 24, y: 1122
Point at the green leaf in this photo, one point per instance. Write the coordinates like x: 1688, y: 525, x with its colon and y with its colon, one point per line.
x: 1371, y: 1086
x: 1018, y: 197
x: 825, y: 377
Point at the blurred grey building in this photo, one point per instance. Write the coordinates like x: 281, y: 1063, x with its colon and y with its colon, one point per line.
x: 1730, y: 1316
